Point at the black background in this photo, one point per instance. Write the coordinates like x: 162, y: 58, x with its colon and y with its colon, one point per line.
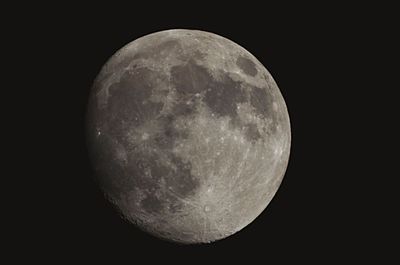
x: 317, y: 54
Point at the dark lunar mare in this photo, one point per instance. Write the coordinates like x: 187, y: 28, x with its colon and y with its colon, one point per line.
x: 222, y: 96
x: 247, y: 66
x: 129, y: 106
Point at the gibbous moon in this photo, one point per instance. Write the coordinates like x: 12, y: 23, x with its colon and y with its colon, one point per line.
x: 189, y: 135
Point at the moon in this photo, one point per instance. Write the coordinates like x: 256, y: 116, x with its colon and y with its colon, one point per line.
x: 188, y: 134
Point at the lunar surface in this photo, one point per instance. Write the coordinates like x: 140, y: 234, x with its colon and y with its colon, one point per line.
x: 189, y: 135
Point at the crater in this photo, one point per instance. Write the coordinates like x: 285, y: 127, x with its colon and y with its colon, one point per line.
x: 246, y: 65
